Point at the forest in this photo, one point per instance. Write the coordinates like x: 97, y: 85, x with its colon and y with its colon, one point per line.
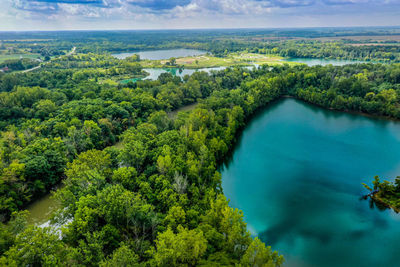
x: 334, y: 43
x: 142, y: 187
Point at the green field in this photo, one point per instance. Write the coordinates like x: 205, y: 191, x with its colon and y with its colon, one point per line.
x: 17, y: 56
x: 206, y: 61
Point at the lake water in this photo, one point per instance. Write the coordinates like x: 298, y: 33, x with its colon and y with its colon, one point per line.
x: 323, y: 62
x: 162, y: 54
x: 296, y: 173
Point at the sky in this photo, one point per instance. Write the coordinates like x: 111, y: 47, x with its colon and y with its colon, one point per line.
x: 189, y: 14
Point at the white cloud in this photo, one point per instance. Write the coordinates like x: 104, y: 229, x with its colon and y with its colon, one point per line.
x: 194, y: 13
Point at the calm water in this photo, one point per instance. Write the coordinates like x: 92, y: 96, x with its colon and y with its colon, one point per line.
x: 41, y: 210
x: 323, y: 62
x: 162, y: 54
x: 296, y: 174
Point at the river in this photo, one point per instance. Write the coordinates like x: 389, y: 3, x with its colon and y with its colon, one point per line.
x: 296, y: 174
x: 41, y: 210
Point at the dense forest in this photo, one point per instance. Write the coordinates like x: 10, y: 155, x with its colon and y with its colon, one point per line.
x: 137, y: 172
x: 140, y: 183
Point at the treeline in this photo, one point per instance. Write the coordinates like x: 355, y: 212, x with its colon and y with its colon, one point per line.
x: 333, y: 50
x: 156, y: 198
x: 81, y: 71
x: 218, y: 42
x: 306, y: 49
x: 372, y: 89
x: 91, y: 60
x: 285, y: 48
x: 19, y: 64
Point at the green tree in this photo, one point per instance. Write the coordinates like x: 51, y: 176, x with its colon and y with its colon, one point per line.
x: 124, y: 256
x: 259, y: 255
x: 36, y: 247
x: 185, y: 247
x: 86, y: 174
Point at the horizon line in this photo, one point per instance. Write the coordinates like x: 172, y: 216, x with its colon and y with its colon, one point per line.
x: 194, y: 29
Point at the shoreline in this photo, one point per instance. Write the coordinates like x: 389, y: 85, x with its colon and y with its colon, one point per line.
x: 348, y: 111
x: 378, y: 199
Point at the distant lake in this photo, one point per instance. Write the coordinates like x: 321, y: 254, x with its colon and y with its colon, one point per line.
x: 296, y: 173
x: 323, y: 62
x: 162, y: 54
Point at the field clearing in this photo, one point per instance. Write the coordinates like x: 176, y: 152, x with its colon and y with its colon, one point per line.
x: 206, y: 61
x: 17, y: 56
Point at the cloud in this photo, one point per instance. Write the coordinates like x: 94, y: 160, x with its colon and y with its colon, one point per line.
x: 361, y: 2
x: 39, y: 5
x: 292, y: 3
x: 232, y: 7
x: 157, y: 5
x: 165, y: 6
x: 198, y: 13
x: 345, y: 2
x: 35, y: 6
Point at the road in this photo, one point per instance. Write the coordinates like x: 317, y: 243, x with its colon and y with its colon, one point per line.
x: 72, y: 51
x: 34, y: 68
x: 38, y: 67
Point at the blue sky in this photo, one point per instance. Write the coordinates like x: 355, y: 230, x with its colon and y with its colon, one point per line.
x: 181, y: 14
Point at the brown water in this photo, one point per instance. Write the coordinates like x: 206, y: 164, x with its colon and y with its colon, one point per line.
x: 42, y: 209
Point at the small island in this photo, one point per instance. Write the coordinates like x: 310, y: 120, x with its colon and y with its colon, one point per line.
x: 385, y: 193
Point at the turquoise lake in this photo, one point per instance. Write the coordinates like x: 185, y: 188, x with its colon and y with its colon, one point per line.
x: 296, y: 174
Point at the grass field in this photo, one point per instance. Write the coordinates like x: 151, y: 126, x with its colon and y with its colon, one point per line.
x: 17, y: 56
x: 206, y: 61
